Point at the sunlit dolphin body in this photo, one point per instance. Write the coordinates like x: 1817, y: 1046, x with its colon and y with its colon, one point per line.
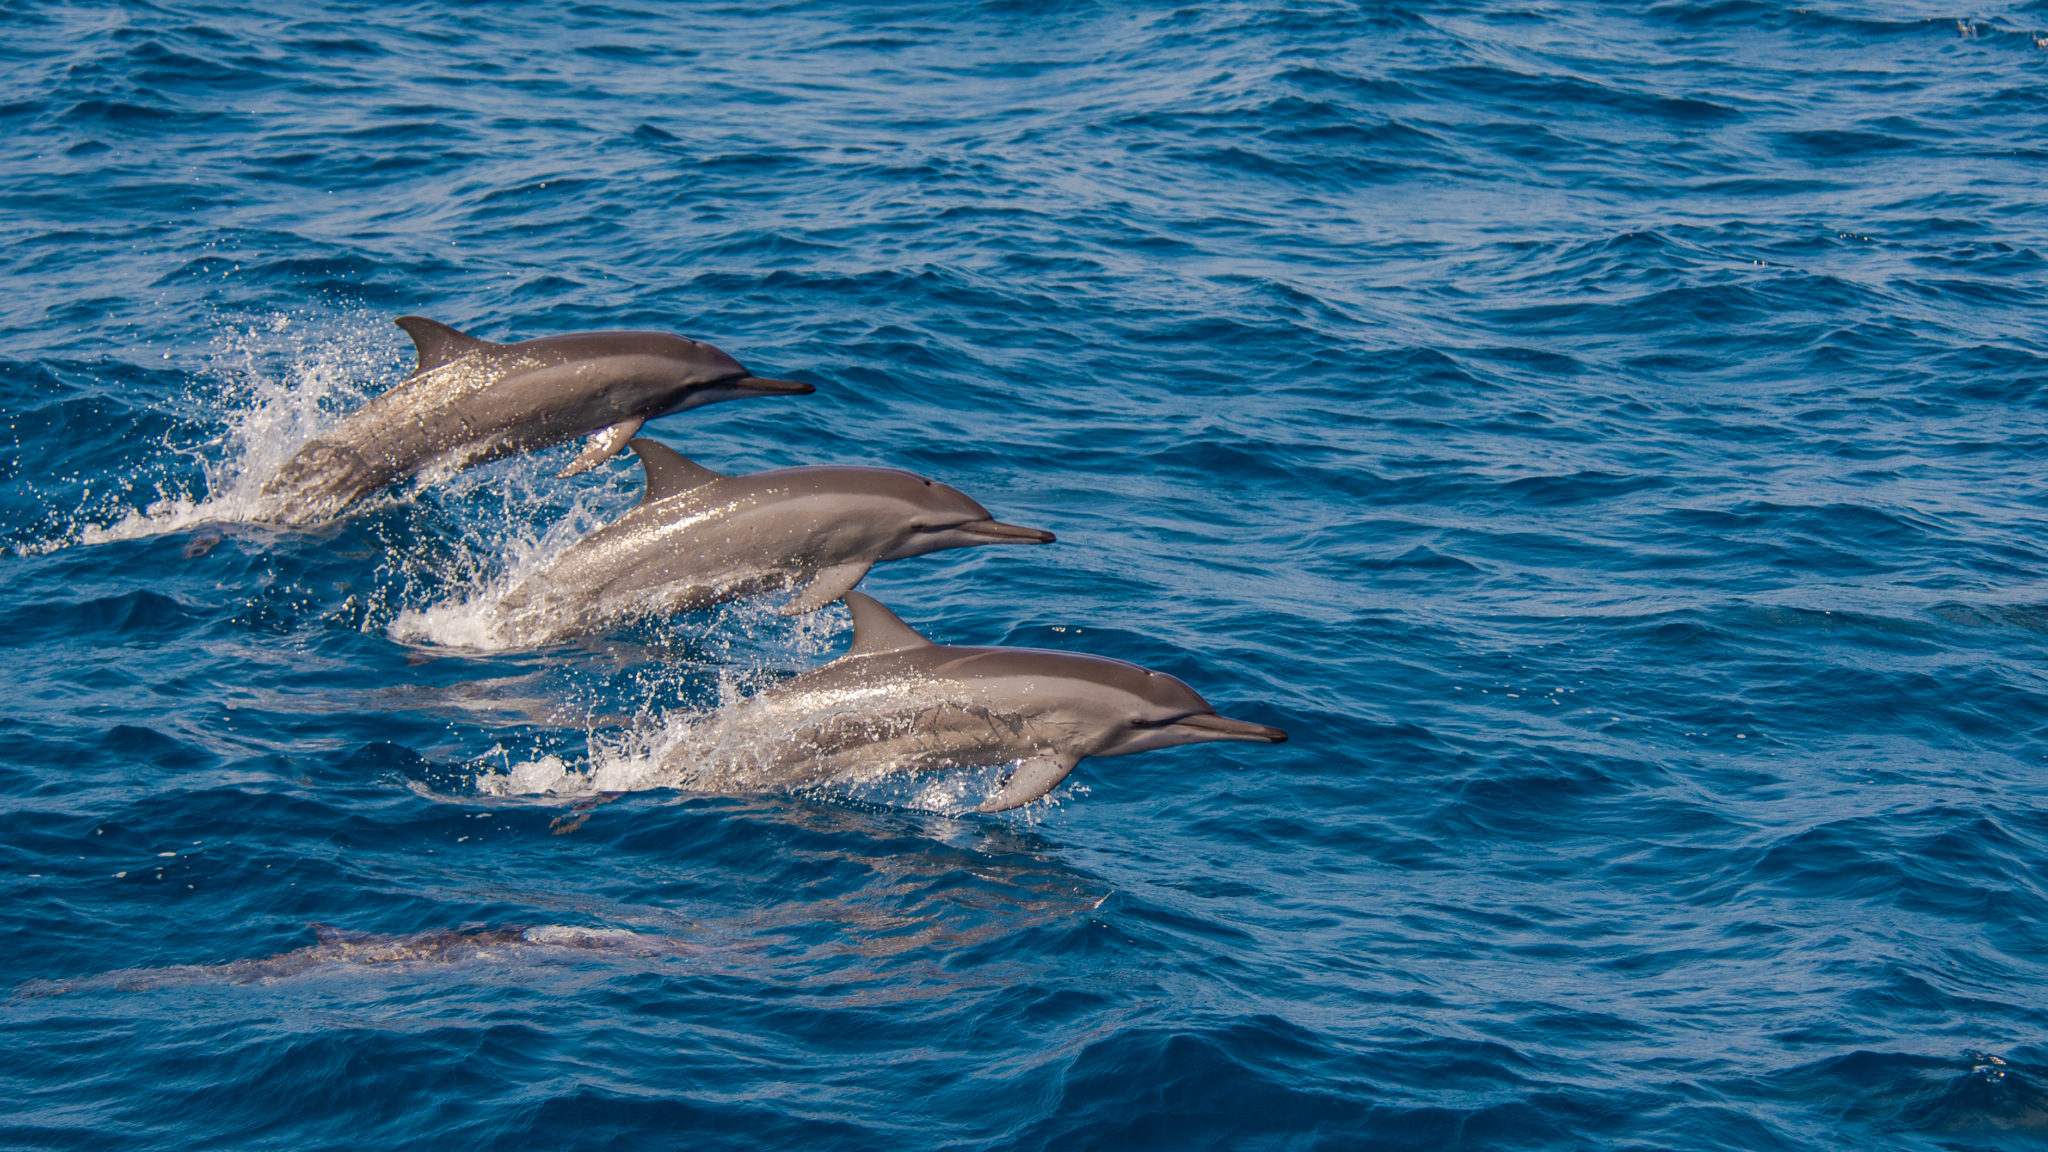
x: 699, y: 538
x: 471, y: 401
x: 896, y: 702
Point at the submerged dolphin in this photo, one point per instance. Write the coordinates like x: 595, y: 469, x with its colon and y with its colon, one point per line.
x: 338, y: 948
x: 896, y: 702
x: 471, y: 401
x: 699, y: 538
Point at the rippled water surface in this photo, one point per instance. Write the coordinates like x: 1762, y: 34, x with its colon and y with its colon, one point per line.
x: 1609, y: 439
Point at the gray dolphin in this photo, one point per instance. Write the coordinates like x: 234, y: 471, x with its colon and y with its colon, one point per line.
x: 340, y: 948
x: 896, y: 702
x: 471, y: 401
x: 699, y: 538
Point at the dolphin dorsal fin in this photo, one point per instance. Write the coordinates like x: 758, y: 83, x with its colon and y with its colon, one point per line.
x: 876, y: 629
x: 668, y: 471
x: 438, y: 343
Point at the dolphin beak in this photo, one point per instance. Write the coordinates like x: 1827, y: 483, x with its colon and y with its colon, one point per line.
x: 766, y: 387
x: 1210, y: 726
x: 997, y: 532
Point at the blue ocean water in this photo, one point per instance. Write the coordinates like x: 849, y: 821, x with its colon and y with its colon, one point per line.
x: 1609, y: 439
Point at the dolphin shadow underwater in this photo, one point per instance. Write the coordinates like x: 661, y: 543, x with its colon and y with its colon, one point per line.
x: 699, y: 538
x: 338, y: 949
x: 470, y: 401
x: 898, y: 703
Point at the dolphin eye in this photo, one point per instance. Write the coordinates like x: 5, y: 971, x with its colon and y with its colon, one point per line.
x: 927, y: 483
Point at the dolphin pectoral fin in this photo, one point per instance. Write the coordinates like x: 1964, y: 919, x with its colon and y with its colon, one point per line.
x: 1031, y: 779
x: 603, y: 446
x: 828, y: 585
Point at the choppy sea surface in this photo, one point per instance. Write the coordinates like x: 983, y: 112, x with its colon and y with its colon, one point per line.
x: 1609, y: 438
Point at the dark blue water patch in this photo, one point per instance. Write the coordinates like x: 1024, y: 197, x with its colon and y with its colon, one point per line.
x: 2026, y: 617
x: 1968, y: 1093
x: 132, y: 618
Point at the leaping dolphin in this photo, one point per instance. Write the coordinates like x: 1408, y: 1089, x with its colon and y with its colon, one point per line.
x: 471, y: 401
x: 896, y: 702
x: 700, y: 538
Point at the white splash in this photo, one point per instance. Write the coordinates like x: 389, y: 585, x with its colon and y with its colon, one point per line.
x: 271, y: 389
x: 696, y: 750
x: 547, y: 776
x: 473, y: 616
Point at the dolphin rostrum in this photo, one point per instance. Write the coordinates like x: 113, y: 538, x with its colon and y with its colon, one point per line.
x: 471, y: 401
x: 896, y: 702
x: 699, y: 538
